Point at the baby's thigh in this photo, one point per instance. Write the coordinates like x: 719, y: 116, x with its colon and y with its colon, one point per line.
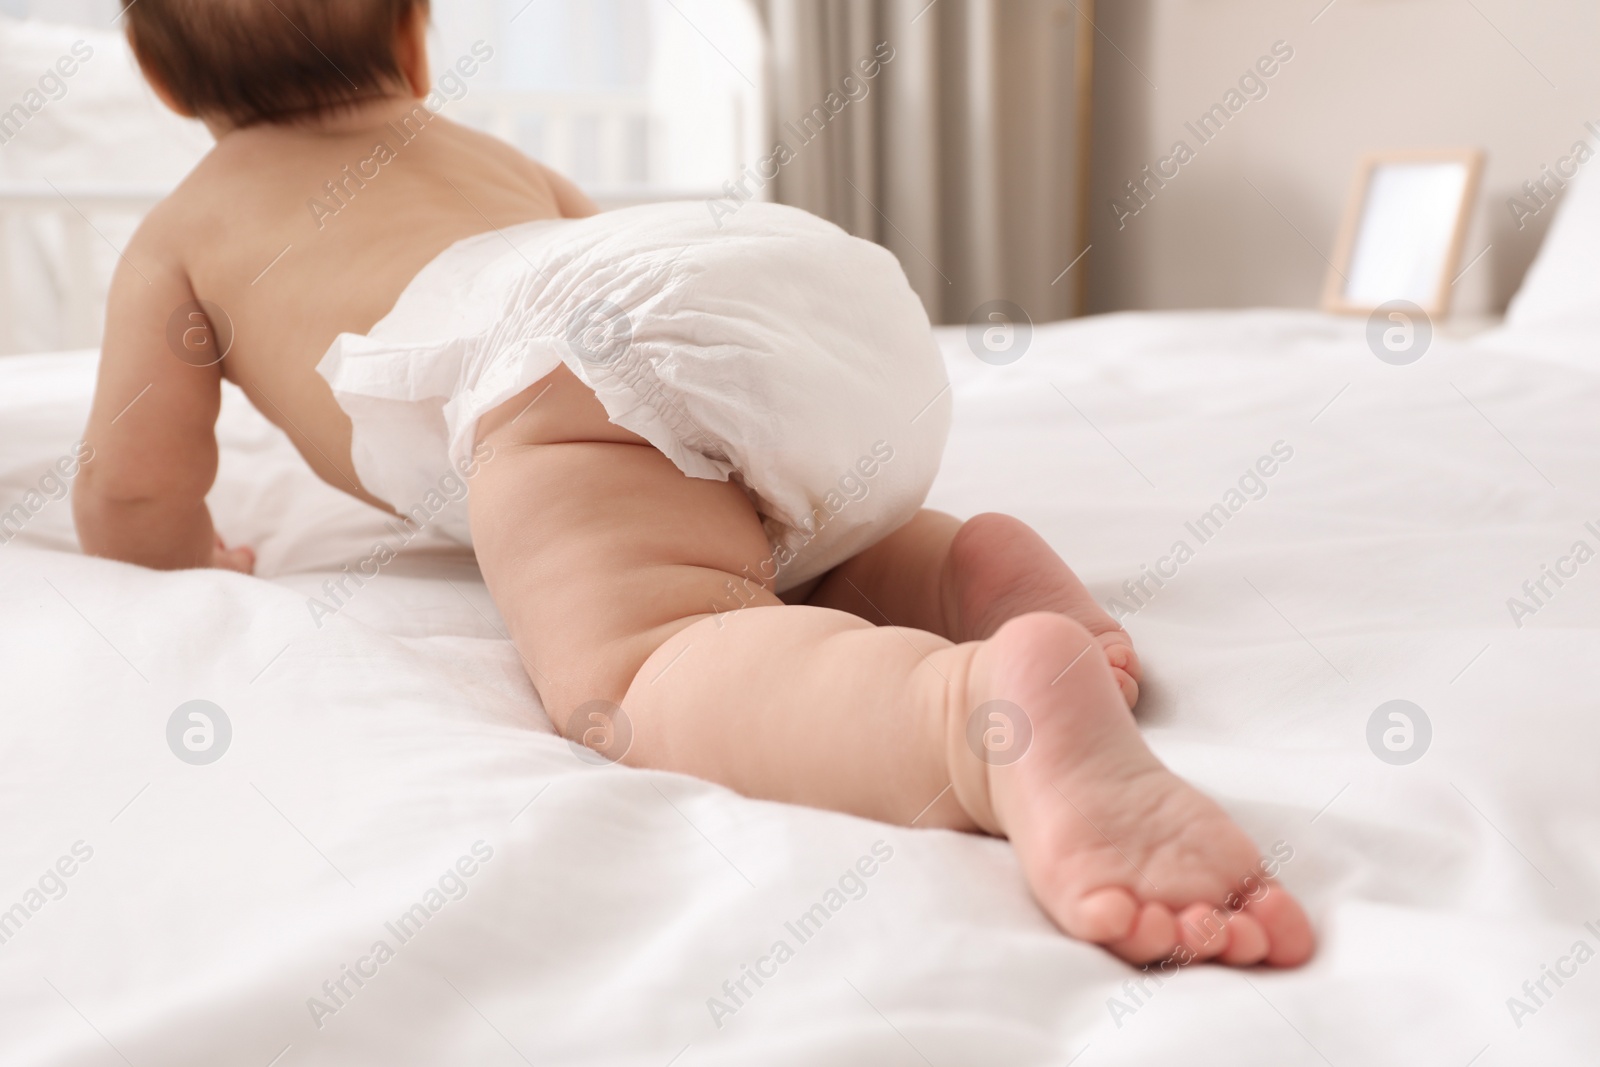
x: 596, y: 552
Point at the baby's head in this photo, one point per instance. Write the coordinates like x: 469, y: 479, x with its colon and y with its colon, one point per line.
x: 237, y: 63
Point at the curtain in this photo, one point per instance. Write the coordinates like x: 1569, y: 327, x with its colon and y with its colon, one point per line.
x: 951, y: 132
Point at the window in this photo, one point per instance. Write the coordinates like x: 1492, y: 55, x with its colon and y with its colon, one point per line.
x: 633, y: 99
x: 636, y: 100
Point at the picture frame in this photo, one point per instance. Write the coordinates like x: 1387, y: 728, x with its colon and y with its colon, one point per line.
x: 1403, y: 231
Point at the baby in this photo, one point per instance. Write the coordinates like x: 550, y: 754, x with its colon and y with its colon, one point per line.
x: 639, y: 400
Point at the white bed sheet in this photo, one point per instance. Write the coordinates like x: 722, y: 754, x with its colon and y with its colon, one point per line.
x: 369, y: 754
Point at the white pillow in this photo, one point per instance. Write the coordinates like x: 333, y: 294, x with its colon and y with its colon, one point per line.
x: 101, y: 127
x: 1563, y: 285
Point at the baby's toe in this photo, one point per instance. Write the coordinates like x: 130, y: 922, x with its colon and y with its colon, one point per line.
x: 1127, y: 686
x: 1125, y: 666
x: 1154, y: 935
x: 1200, y: 933
x: 1102, y: 916
x: 1286, y: 927
x: 1247, y: 941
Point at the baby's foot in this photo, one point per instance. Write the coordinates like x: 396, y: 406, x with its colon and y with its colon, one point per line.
x: 999, y: 568
x: 1117, y: 849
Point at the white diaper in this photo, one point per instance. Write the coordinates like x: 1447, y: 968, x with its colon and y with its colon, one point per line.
x: 773, y: 348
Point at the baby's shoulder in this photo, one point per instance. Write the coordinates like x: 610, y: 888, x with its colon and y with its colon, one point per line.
x: 162, y: 234
x: 198, y: 208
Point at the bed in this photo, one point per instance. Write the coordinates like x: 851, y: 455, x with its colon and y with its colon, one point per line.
x: 390, y: 778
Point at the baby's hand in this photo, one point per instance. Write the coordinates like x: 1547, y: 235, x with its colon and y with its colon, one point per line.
x: 239, y: 559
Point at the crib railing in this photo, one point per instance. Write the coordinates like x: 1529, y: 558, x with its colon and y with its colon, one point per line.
x: 74, y: 287
x: 69, y: 253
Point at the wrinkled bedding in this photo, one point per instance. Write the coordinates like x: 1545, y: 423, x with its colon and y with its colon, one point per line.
x: 390, y: 779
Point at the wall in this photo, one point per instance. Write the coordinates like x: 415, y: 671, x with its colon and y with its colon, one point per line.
x: 1250, y: 219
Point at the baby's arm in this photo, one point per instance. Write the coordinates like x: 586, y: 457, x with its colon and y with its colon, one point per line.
x: 152, y: 428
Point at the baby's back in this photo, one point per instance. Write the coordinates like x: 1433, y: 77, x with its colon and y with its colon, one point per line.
x: 298, y: 234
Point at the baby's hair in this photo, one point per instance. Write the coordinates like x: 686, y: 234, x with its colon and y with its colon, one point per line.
x: 270, y: 61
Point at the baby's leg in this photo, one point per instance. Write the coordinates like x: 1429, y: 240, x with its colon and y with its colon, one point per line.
x: 613, y: 571
x: 965, y: 580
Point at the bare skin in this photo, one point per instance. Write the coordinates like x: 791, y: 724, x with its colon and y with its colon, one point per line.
x: 604, y: 559
x: 855, y: 693
x: 218, y: 237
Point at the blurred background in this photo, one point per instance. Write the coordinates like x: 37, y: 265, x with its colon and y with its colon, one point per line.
x: 989, y: 153
x: 635, y: 99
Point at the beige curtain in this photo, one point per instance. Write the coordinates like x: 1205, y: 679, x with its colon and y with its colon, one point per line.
x: 948, y: 132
